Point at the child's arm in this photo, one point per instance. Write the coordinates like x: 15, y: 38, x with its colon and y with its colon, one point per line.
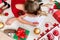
x: 20, y: 18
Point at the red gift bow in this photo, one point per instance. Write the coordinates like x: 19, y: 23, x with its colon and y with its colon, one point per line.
x: 21, y: 33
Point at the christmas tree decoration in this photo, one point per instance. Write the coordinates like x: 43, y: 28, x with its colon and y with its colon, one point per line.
x: 37, y: 31
x: 21, y: 34
x: 56, y: 32
x: 1, y: 25
x: 50, y: 36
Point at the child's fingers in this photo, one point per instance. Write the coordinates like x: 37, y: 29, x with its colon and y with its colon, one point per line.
x: 35, y: 22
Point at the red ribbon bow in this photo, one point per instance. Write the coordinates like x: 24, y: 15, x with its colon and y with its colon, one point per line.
x: 21, y: 33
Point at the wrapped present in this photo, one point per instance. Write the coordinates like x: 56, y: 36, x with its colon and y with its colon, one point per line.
x: 57, y: 5
x: 56, y: 15
x: 21, y: 34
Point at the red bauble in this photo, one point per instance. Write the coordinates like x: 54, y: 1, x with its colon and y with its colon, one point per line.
x: 56, y: 32
x: 50, y: 36
x: 6, y: 14
x: 46, y: 25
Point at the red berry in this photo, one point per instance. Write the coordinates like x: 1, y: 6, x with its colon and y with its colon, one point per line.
x: 46, y: 25
x: 6, y: 14
x: 56, y: 32
x: 50, y: 36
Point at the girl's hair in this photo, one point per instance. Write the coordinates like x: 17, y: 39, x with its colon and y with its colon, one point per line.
x: 29, y: 7
x: 5, y: 3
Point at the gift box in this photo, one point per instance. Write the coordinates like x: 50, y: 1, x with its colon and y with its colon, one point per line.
x: 21, y: 34
x: 56, y: 15
x: 57, y: 5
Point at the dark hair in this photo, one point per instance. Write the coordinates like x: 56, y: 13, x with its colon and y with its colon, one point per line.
x: 5, y: 3
x: 30, y: 9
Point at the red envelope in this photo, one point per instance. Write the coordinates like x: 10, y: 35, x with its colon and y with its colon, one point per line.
x: 56, y: 15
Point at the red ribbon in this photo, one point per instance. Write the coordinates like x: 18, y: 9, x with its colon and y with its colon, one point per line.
x: 21, y: 33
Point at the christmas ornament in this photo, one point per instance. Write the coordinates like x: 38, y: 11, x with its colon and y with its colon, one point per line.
x: 37, y: 31
x: 50, y: 36
x: 56, y: 32
x: 21, y: 34
x: 1, y: 25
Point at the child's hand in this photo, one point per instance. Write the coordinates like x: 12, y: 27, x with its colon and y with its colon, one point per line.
x: 35, y: 23
x: 10, y: 21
